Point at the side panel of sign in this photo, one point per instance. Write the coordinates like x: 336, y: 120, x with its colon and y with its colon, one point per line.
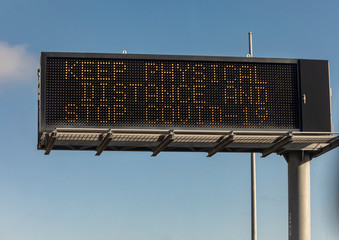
x: 315, y: 94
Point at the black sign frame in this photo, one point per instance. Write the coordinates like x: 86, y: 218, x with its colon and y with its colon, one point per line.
x: 312, y: 77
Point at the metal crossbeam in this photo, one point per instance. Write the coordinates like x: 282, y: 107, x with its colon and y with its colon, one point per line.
x: 104, y: 143
x: 51, y: 140
x: 332, y: 145
x: 212, y: 142
x: 226, y: 141
x: 167, y: 140
x: 278, y: 145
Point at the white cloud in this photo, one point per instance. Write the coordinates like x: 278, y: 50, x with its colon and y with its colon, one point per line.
x: 16, y: 63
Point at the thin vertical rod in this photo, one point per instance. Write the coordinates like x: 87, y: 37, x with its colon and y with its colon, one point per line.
x: 254, y: 197
x: 253, y: 175
x: 250, y: 53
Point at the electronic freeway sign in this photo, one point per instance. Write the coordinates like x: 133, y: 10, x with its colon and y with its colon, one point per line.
x: 128, y: 91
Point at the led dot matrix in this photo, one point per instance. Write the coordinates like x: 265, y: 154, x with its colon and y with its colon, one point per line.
x: 171, y: 93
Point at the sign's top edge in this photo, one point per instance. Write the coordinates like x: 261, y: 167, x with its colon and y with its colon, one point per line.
x: 171, y: 57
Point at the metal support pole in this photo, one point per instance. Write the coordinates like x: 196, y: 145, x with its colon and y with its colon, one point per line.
x: 253, y: 176
x: 254, y: 198
x: 299, y: 203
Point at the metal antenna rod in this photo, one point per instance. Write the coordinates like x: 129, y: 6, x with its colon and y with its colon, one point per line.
x: 250, y: 54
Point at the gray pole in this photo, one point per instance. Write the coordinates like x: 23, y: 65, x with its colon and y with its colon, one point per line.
x: 299, y: 203
x: 253, y: 176
x: 254, y: 198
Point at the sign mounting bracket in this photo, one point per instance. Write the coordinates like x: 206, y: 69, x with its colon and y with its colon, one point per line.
x: 226, y: 141
x: 104, y: 143
x: 278, y: 145
x: 50, y: 143
x: 332, y: 145
x: 165, y: 142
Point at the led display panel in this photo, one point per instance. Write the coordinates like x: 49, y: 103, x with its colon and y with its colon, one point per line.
x: 143, y: 91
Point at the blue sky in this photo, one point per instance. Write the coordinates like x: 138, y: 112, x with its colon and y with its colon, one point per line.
x: 129, y: 195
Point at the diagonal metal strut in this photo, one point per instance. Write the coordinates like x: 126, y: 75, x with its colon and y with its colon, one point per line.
x: 51, y: 140
x: 226, y: 141
x: 104, y: 143
x: 167, y: 140
x: 278, y: 145
x: 332, y: 145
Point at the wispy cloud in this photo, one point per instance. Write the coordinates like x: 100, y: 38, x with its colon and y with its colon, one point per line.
x: 16, y: 64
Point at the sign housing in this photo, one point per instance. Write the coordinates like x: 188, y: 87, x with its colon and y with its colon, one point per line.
x: 130, y: 91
